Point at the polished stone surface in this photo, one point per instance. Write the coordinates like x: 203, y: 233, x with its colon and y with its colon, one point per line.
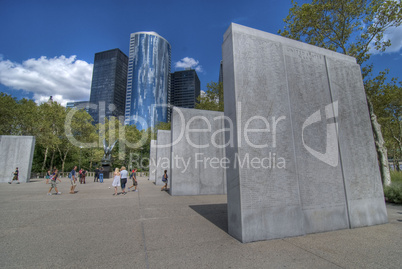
x: 152, y: 161
x: 303, y: 157
x: 163, y: 155
x: 198, y: 152
x: 16, y: 151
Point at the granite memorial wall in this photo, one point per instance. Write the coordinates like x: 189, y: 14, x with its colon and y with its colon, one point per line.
x: 198, y: 152
x: 152, y: 161
x: 302, y: 154
x: 163, y: 155
x: 16, y: 151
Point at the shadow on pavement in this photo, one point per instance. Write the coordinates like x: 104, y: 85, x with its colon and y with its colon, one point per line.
x: 215, y: 213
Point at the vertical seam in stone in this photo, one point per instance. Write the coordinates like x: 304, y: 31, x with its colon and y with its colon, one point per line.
x: 293, y: 134
x: 199, y: 168
x: 339, y: 144
x: 238, y: 137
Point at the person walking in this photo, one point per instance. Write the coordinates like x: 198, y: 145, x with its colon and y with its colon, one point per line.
x: 116, y: 180
x: 84, y: 174
x: 53, y: 182
x: 96, y: 177
x: 165, y: 180
x: 80, y: 175
x: 73, y: 180
x: 15, y: 176
x: 47, y: 174
x: 134, y: 177
x: 101, y: 175
x: 123, y: 179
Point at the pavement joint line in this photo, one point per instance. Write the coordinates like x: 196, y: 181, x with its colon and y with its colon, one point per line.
x: 143, y: 231
x: 315, y: 254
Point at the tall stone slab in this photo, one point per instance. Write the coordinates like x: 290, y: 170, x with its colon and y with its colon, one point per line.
x: 163, y: 155
x: 16, y: 151
x: 299, y: 116
x: 198, y: 152
x: 152, y: 161
x: 364, y: 190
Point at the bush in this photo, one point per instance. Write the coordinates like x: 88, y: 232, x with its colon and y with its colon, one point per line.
x: 393, y: 193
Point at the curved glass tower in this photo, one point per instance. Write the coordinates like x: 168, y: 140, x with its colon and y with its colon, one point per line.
x: 148, y: 80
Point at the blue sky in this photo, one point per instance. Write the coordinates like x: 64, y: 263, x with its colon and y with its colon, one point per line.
x: 47, y: 47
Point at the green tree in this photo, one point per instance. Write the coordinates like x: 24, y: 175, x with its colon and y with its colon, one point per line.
x: 82, y: 131
x: 213, y: 98
x: 352, y: 27
x: 386, y: 99
x: 51, y: 130
x: 8, y: 113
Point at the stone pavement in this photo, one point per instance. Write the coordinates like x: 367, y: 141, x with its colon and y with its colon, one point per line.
x: 151, y: 229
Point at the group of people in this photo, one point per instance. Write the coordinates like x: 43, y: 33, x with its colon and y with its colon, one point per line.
x: 52, y: 177
x: 120, y: 180
x: 98, y: 175
x: 120, y: 177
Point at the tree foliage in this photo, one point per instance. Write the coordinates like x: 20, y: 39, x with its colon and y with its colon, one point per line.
x: 213, y: 98
x: 352, y: 27
x: 355, y: 28
x: 67, y: 137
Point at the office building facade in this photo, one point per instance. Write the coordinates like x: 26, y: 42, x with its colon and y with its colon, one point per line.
x: 148, y: 80
x: 185, y: 88
x: 109, y: 82
x: 78, y: 105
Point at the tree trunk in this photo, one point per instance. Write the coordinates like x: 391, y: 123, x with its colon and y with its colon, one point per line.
x: 51, y: 161
x: 44, y: 161
x: 380, y: 146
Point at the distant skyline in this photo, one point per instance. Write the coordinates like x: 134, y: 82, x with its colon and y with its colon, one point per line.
x: 47, y: 48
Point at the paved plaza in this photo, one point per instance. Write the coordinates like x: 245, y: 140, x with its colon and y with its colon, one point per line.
x: 151, y: 229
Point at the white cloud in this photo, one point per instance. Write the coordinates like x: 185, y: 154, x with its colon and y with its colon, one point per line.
x: 66, y: 79
x: 395, y: 35
x: 188, y: 62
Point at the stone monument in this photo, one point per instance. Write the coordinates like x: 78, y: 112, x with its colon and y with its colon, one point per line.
x: 303, y: 158
x: 163, y: 154
x: 107, y: 158
x: 16, y: 151
x: 152, y: 161
x: 198, y: 152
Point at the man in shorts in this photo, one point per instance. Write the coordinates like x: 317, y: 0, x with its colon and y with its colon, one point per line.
x: 134, y: 177
x: 15, y: 176
x: 73, y: 180
x: 53, y: 179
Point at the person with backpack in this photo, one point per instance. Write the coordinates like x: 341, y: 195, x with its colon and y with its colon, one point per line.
x: 73, y: 180
x: 53, y: 182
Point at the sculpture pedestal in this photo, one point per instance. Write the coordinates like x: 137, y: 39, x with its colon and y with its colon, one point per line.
x: 106, y: 170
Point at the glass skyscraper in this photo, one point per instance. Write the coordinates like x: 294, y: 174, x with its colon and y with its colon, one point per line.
x: 148, y: 80
x: 185, y: 88
x: 109, y: 82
